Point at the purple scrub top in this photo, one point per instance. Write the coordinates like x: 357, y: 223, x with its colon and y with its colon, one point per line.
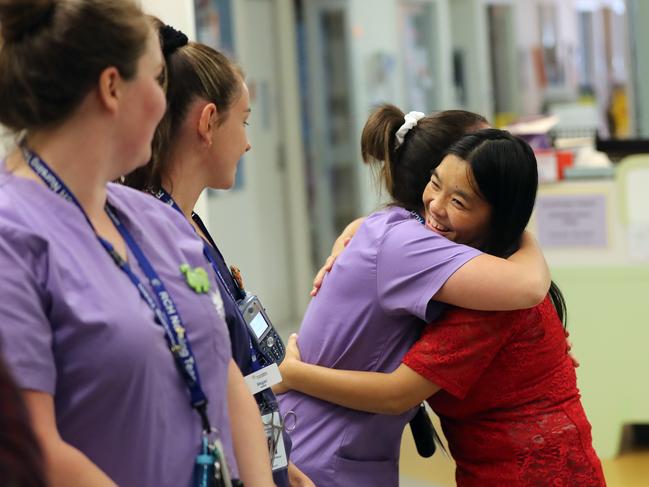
x: 73, y: 325
x: 367, y: 314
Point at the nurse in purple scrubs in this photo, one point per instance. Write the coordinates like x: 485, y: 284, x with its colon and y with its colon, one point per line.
x: 393, y: 277
x: 109, y: 322
x: 198, y: 145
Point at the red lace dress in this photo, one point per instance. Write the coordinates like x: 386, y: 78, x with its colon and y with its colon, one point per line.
x: 509, y: 403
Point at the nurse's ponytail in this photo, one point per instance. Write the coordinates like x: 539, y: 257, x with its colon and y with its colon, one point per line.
x: 378, y: 141
x: 404, y: 168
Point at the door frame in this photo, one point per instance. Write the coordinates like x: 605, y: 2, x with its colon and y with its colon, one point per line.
x: 290, y: 146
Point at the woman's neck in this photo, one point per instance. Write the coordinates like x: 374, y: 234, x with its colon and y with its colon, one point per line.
x: 184, y: 181
x: 185, y: 194
x: 80, y: 162
x: 184, y: 197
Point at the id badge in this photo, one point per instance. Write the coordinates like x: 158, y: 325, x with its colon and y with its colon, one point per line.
x: 263, y: 379
x: 273, y: 427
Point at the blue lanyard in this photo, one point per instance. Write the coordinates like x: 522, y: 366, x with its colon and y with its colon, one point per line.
x: 166, y: 198
x: 164, y: 308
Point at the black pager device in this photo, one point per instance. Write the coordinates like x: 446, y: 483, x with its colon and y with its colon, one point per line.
x: 261, y: 330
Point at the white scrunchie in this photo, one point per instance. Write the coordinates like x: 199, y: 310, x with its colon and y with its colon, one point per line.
x: 411, y: 120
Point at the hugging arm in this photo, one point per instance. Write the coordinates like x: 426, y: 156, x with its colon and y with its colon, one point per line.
x: 375, y: 392
x: 490, y: 283
x: 483, y: 283
x: 339, y: 245
x: 452, y: 354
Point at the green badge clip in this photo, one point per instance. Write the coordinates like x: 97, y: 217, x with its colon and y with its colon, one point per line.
x: 196, y: 278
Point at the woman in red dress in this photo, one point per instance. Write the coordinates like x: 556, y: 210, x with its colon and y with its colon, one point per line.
x: 502, y: 383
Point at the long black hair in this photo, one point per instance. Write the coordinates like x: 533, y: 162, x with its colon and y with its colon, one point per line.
x: 505, y: 174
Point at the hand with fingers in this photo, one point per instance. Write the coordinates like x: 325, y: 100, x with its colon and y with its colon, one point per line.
x: 575, y: 362
x: 329, y: 263
x: 290, y: 359
x: 339, y: 245
x: 297, y: 478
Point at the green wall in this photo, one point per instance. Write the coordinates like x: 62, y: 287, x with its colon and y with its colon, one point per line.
x: 608, y: 321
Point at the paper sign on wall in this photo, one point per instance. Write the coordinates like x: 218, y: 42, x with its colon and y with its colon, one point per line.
x: 577, y: 220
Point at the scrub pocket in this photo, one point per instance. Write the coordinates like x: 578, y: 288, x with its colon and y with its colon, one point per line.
x: 375, y: 473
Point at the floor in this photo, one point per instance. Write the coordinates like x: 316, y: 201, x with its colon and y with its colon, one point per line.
x: 630, y: 469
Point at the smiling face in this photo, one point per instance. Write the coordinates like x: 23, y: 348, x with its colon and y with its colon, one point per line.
x: 452, y: 206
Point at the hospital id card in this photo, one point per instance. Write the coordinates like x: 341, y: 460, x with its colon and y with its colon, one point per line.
x: 263, y: 379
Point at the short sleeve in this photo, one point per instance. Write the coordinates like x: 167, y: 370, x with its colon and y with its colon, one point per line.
x: 454, y: 351
x: 25, y: 331
x: 412, y: 264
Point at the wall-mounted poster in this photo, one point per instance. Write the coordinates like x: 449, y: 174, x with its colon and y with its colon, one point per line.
x: 577, y: 220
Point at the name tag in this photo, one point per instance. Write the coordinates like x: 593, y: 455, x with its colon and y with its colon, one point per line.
x: 263, y: 379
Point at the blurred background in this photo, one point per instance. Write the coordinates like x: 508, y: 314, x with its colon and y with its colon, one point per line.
x: 568, y: 75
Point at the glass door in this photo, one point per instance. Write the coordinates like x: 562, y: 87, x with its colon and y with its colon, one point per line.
x: 504, y: 74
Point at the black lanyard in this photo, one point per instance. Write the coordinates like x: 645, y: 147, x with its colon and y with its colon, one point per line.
x: 165, y: 310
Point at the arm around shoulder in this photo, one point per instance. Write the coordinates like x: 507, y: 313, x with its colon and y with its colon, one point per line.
x: 339, y: 245
x: 490, y: 283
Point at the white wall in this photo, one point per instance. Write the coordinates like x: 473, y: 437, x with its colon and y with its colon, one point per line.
x: 299, y: 243
x: 178, y: 13
x: 263, y: 226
